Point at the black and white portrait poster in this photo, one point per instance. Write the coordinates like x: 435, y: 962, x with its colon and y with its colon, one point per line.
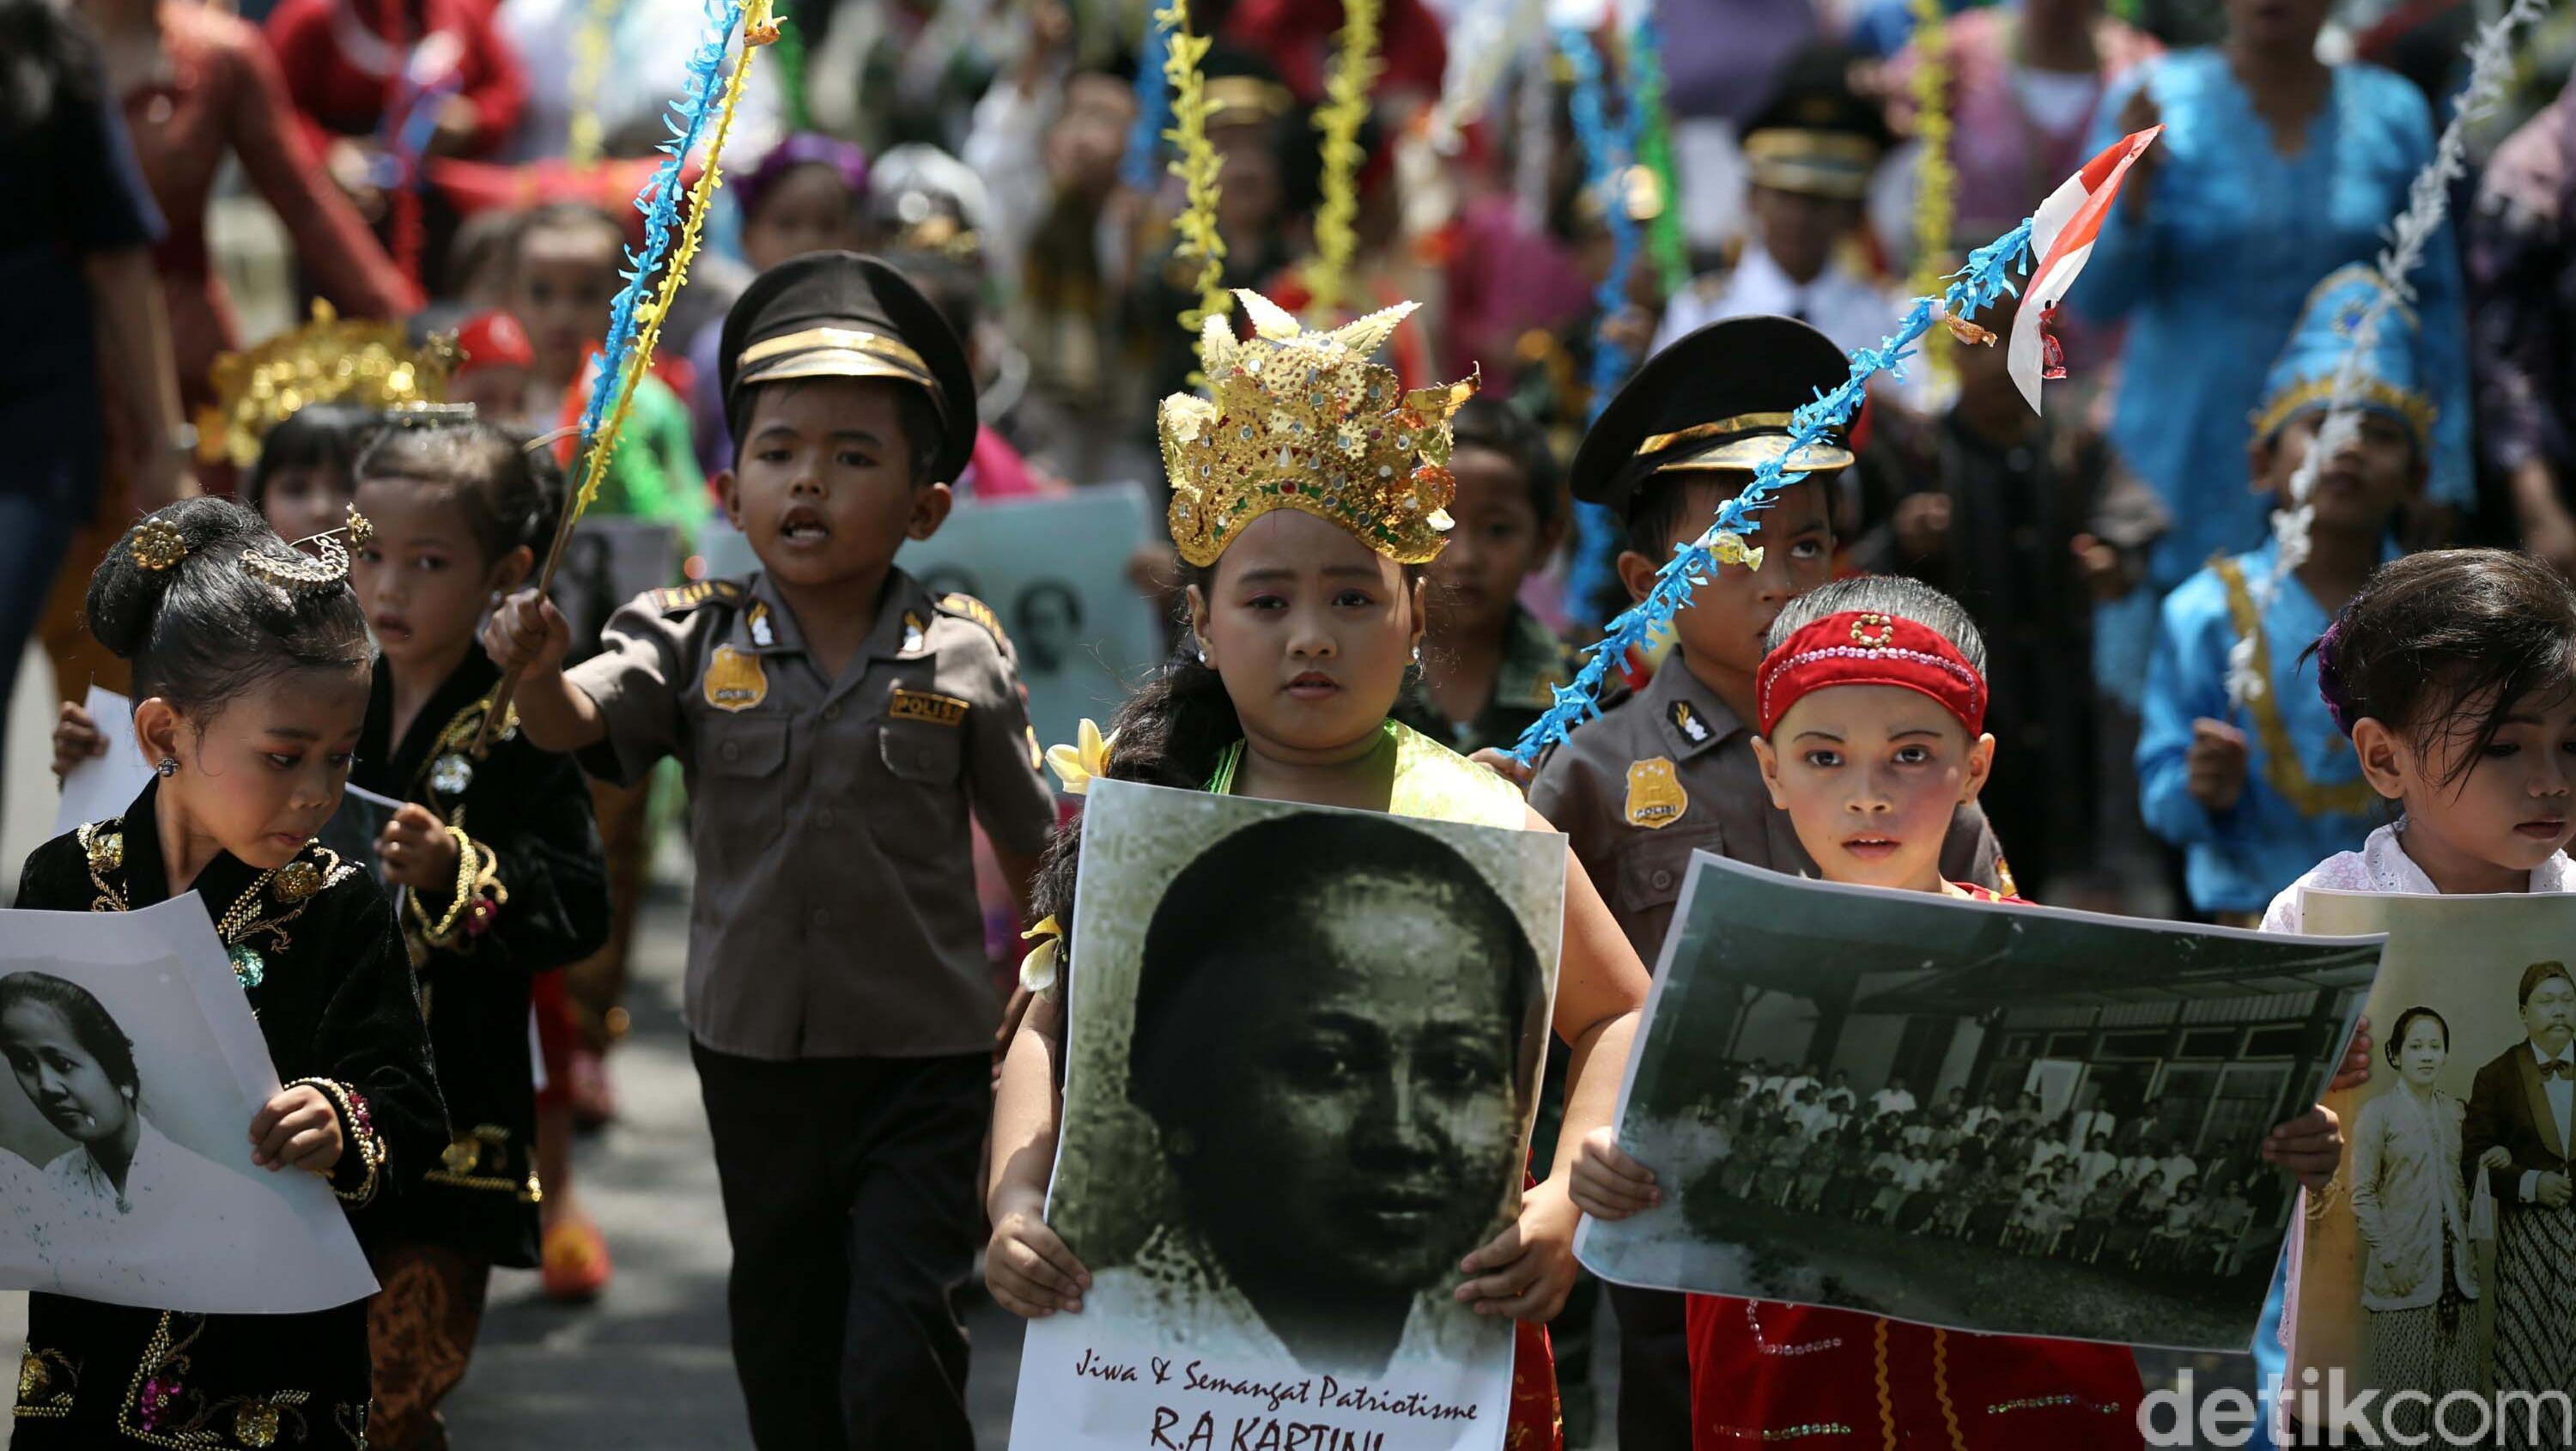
x: 2442, y: 1259
x: 125, y: 1171
x: 1303, y: 1057
x: 1993, y: 1118
x: 1054, y: 572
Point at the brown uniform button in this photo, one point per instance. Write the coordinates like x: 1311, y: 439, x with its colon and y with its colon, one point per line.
x: 823, y: 819
x: 822, y: 918
x: 831, y: 712
x: 730, y: 750
x: 1663, y: 879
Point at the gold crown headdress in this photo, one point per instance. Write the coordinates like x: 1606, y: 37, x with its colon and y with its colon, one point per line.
x: 1304, y: 420
x: 328, y: 360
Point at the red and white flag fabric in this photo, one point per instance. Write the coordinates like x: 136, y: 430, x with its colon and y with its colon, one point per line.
x: 2061, y: 237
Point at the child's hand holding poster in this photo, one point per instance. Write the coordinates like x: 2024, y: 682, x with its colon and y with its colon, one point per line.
x: 1972, y: 1115
x: 2441, y: 1262
x: 1288, y: 1114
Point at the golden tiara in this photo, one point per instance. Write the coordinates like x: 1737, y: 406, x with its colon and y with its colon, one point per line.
x: 296, y: 572
x: 1304, y: 420
x: 328, y: 360
x: 158, y: 544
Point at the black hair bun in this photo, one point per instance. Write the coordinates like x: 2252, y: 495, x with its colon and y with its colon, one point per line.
x: 125, y: 597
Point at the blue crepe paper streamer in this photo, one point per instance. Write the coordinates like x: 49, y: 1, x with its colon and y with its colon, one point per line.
x: 1987, y: 277
x: 1153, y: 108
x: 659, y: 201
x: 1592, y: 574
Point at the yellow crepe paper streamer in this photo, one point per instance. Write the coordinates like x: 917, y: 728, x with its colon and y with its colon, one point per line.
x: 759, y: 29
x: 1196, y: 164
x: 588, y: 139
x: 1346, y: 105
x: 1936, y: 182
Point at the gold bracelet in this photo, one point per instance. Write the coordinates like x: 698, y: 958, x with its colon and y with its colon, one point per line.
x: 352, y: 1107
x: 476, y: 878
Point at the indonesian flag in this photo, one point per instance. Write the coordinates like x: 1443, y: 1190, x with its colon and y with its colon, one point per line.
x: 2061, y: 236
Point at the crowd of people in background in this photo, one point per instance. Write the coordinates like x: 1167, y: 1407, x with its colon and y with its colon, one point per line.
x: 464, y: 169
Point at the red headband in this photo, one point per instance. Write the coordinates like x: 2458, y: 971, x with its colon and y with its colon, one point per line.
x: 1871, y: 649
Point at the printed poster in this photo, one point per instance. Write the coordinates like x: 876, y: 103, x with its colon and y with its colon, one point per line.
x: 135, y: 1069
x: 1289, y: 1112
x: 2441, y: 1262
x: 1984, y: 1117
x: 1054, y: 571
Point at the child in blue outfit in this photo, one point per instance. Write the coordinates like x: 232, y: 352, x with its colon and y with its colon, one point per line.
x: 2257, y: 794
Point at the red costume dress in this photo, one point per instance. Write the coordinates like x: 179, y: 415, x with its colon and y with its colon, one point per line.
x: 343, y: 62
x: 1763, y: 1372
x: 220, y: 93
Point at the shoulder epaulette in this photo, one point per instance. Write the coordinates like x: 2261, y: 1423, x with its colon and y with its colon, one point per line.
x: 966, y: 606
x: 679, y: 599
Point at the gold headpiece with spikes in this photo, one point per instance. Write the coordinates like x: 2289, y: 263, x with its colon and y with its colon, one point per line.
x: 1304, y: 420
x: 328, y: 360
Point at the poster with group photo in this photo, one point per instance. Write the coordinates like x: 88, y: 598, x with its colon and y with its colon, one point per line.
x: 2442, y: 1259
x: 1302, y: 1062
x: 1054, y: 572
x: 2003, y: 1119
x: 125, y: 1159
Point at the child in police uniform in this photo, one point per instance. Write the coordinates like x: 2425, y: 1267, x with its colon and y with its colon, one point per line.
x: 836, y: 722
x: 1670, y: 770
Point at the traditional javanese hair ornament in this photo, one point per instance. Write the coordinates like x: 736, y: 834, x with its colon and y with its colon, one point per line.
x: 1303, y: 420
x: 157, y: 544
x: 288, y: 569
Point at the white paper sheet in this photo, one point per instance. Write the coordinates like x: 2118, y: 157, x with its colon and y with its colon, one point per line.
x: 104, y: 785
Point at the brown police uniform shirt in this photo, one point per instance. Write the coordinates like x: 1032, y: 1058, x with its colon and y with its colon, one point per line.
x: 835, y: 911
x: 1670, y: 771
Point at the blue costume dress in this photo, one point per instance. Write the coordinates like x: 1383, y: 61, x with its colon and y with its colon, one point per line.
x: 2210, y: 283
x: 2304, y: 798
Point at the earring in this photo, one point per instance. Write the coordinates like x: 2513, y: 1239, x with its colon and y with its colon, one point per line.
x: 167, y: 767
x: 1417, y: 656
x: 1202, y: 652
